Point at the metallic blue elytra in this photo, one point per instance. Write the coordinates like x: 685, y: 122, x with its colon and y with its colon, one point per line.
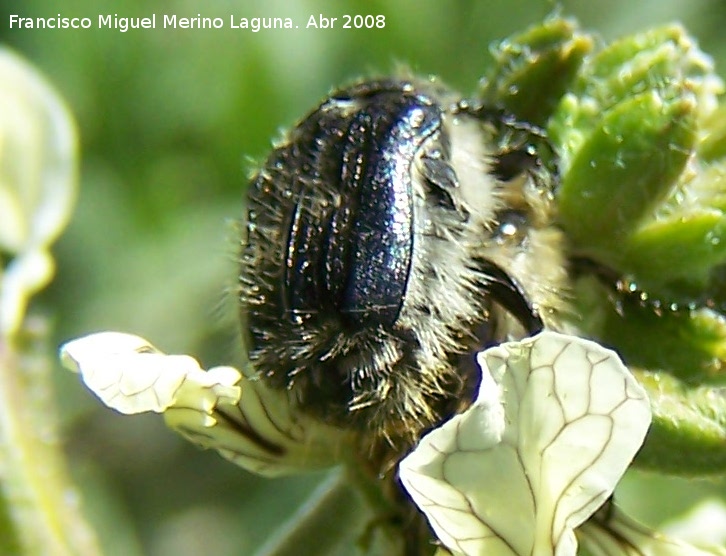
x: 330, y: 230
x: 346, y: 207
x: 382, y: 143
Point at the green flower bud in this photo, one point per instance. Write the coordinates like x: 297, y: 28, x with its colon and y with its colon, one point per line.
x: 534, y: 69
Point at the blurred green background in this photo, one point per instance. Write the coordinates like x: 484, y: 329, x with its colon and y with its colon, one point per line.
x: 171, y: 122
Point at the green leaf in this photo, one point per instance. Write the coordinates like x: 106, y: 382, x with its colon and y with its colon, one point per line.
x: 684, y: 353
x: 688, y: 343
x: 682, y: 248
x: 713, y: 144
x: 624, y: 169
x: 688, y: 433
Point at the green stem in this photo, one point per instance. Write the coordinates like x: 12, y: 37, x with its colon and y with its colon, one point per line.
x: 41, y: 503
x: 347, y: 509
x: 315, y: 528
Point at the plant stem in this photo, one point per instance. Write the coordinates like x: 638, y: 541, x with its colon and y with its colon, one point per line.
x: 40, y: 502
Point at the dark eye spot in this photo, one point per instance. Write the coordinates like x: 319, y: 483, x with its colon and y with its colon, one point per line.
x: 512, y: 226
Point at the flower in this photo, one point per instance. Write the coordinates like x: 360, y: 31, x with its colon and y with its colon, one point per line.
x: 556, y: 423
x: 38, y: 182
x: 220, y: 408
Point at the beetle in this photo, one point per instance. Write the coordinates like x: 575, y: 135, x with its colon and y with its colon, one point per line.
x: 392, y: 233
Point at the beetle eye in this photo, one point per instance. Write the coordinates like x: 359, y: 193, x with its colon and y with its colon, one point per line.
x: 511, y: 226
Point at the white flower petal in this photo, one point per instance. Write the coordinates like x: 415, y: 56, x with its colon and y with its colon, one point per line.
x: 131, y: 376
x: 611, y: 533
x: 248, y: 423
x: 38, y: 183
x: 557, y: 421
x: 38, y: 147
